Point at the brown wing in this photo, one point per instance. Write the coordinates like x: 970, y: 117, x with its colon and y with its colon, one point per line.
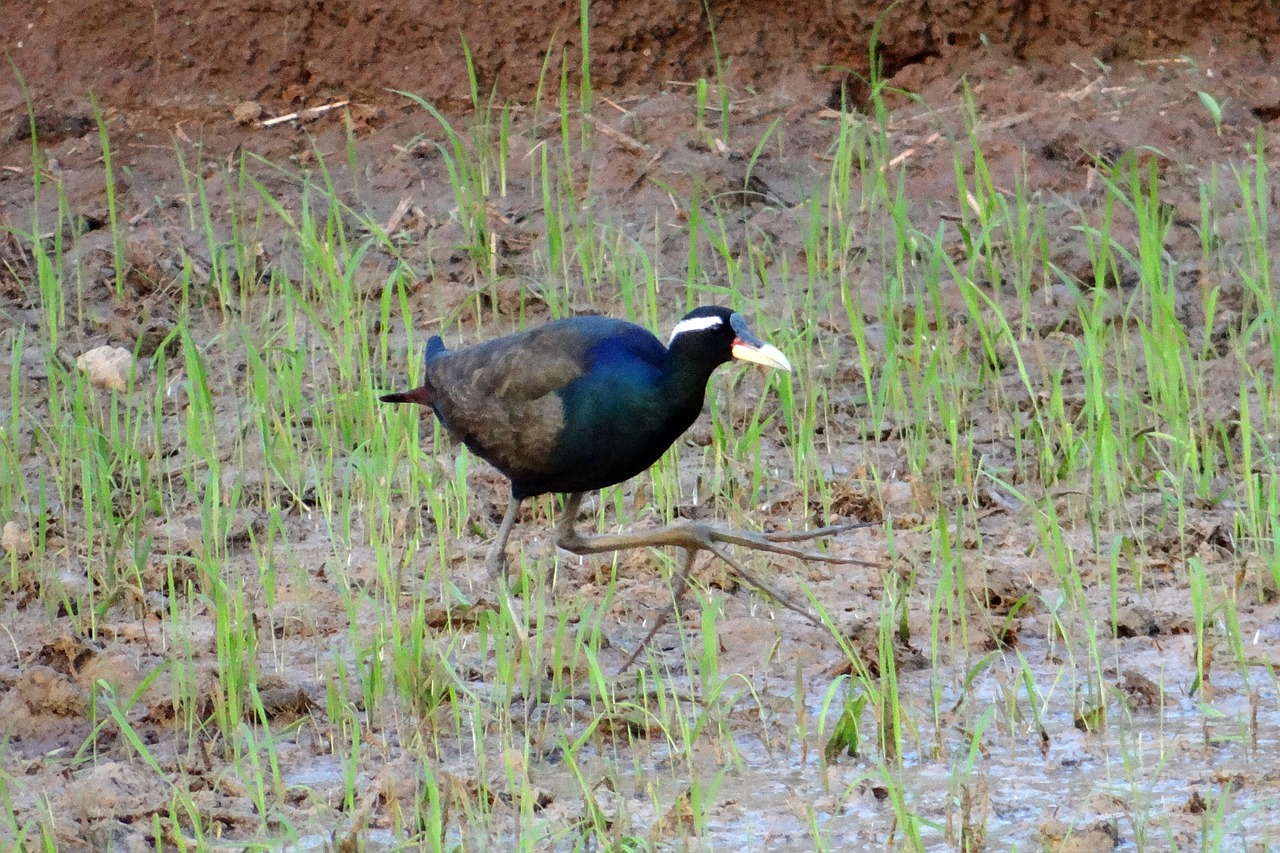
x: 499, y: 397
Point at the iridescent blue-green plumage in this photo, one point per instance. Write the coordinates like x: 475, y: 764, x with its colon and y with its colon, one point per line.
x: 622, y: 413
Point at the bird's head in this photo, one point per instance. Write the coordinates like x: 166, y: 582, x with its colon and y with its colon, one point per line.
x: 716, y: 335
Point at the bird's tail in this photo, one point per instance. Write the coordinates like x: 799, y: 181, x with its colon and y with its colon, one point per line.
x: 420, y: 395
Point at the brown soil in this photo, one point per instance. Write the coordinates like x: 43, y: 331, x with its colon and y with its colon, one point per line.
x: 1056, y: 85
x: 208, y: 57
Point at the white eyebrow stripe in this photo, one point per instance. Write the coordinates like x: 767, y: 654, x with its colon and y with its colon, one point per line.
x: 695, y: 324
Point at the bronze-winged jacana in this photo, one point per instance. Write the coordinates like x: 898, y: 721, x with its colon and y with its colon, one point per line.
x: 588, y: 402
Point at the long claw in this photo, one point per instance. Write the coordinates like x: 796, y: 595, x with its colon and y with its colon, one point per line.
x: 769, y: 542
x: 817, y: 532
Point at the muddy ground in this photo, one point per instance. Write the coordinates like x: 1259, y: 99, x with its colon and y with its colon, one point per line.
x: 1056, y: 86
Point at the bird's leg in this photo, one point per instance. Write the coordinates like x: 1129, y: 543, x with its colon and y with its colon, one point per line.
x: 496, y: 562
x: 566, y: 528
x: 692, y: 538
x: 496, y: 565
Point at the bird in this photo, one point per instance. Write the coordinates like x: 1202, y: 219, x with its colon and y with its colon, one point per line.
x: 587, y: 402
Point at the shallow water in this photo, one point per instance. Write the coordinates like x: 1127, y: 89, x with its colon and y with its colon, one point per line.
x: 1150, y: 774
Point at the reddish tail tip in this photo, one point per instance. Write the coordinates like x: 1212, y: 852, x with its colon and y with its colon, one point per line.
x: 421, y: 396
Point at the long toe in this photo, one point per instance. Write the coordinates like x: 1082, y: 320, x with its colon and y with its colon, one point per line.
x: 769, y: 544
x: 817, y: 532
